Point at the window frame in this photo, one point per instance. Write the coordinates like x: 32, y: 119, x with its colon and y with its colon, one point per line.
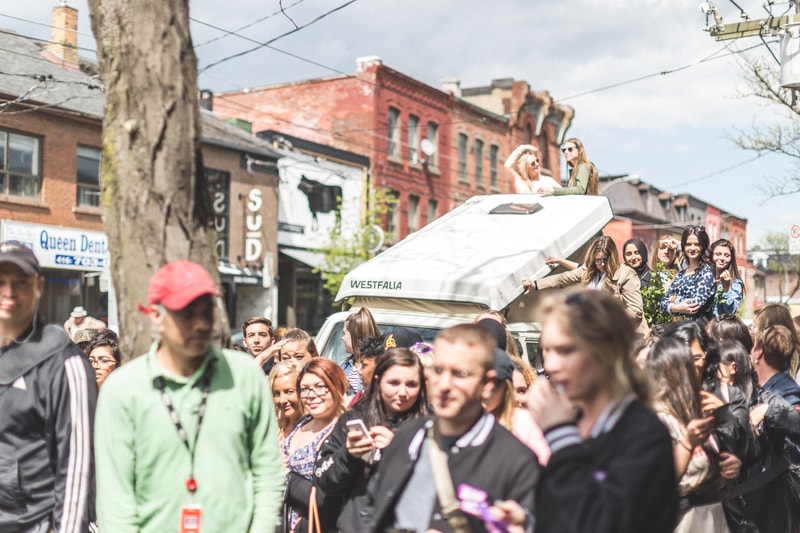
x: 433, y: 137
x: 87, y: 188
x: 7, y: 175
x: 463, y: 142
x: 413, y: 212
x: 478, y: 152
x: 393, y: 132
x: 413, y: 138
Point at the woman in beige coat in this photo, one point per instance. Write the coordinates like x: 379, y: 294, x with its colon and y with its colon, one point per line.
x: 602, y: 270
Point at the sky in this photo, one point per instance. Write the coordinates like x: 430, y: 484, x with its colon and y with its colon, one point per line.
x: 654, y: 94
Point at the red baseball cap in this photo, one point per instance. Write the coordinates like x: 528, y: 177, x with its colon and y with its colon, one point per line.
x: 178, y: 284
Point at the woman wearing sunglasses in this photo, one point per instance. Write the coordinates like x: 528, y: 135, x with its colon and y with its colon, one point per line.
x: 524, y: 164
x: 602, y: 270
x: 583, y: 175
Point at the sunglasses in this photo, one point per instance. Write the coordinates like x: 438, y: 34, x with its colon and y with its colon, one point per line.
x: 568, y: 149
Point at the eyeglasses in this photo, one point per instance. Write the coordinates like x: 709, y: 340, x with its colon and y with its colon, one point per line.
x: 318, y: 390
x: 601, y: 261
x: 568, y: 149
x: 102, y: 361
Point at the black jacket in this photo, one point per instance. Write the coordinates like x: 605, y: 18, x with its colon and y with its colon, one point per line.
x: 487, y: 457
x: 47, y: 400
x: 622, y: 481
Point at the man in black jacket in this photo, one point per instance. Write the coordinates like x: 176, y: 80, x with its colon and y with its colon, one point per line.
x: 47, y: 400
x: 485, y: 461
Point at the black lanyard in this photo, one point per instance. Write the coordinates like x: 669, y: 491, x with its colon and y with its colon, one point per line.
x: 191, y: 483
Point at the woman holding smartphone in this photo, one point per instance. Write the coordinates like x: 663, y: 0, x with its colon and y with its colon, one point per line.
x: 346, y: 460
x: 321, y: 385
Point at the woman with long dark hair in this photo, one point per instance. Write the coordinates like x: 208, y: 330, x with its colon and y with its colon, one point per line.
x: 730, y: 285
x: 634, y: 253
x: 679, y: 407
x: 691, y: 293
x: 346, y: 460
x: 602, y: 270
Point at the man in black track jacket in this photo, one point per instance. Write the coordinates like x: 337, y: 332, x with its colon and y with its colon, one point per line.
x: 47, y: 400
x: 486, y: 462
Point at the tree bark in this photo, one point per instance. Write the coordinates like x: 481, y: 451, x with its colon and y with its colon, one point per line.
x: 153, y: 190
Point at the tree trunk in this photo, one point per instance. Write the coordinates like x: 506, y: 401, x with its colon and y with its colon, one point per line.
x: 153, y: 190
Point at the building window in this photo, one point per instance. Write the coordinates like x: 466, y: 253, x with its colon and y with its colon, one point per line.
x: 413, y: 138
x: 394, y: 132
x: 393, y: 209
x: 88, y: 177
x: 19, y: 165
x: 433, y: 137
x: 433, y: 207
x: 493, y: 149
x: 462, y: 157
x: 413, y: 213
x: 478, y: 162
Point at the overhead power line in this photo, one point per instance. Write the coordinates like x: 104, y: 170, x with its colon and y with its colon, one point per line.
x: 286, y: 34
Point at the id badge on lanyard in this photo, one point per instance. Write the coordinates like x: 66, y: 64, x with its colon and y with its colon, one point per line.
x: 191, y: 515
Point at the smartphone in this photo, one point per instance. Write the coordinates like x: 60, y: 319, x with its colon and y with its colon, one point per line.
x: 358, y: 425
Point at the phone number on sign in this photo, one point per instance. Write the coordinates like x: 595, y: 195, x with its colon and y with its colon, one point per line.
x: 78, y: 261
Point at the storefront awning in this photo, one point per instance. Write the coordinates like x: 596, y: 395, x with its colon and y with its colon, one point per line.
x: 307, y: 257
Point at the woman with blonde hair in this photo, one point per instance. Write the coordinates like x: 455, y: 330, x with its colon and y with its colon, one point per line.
x: 583, y: 175
x: 283, y: 383
x: 602, y: 270
x: 611, y: 455
x: 524, y: 165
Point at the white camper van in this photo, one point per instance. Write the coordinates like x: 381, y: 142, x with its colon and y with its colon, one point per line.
x: 471, y: 260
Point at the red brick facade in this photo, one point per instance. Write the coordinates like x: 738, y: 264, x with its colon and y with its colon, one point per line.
x: 385, y: 115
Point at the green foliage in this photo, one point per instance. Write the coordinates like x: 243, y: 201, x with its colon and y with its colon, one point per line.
x: 653, y: 294
x: 344, y: 252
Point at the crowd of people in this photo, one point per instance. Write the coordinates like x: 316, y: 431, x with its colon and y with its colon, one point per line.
x: 689, y: 424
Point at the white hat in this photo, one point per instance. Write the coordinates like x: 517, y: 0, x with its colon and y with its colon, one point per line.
x: 78, y: 312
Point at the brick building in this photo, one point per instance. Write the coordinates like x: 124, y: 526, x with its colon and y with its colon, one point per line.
x: 434, y: 148
x: 51, y: 109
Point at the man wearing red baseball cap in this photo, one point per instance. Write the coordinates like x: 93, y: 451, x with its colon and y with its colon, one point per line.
x: 186, y: 437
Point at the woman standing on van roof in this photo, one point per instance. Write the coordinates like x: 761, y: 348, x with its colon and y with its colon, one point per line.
x: 583, y: 175
x: 524, y: 164
x: 601, y: 270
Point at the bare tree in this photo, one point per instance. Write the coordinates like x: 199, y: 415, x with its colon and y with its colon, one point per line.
x: 762, y: 76
x: 152, y: 186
